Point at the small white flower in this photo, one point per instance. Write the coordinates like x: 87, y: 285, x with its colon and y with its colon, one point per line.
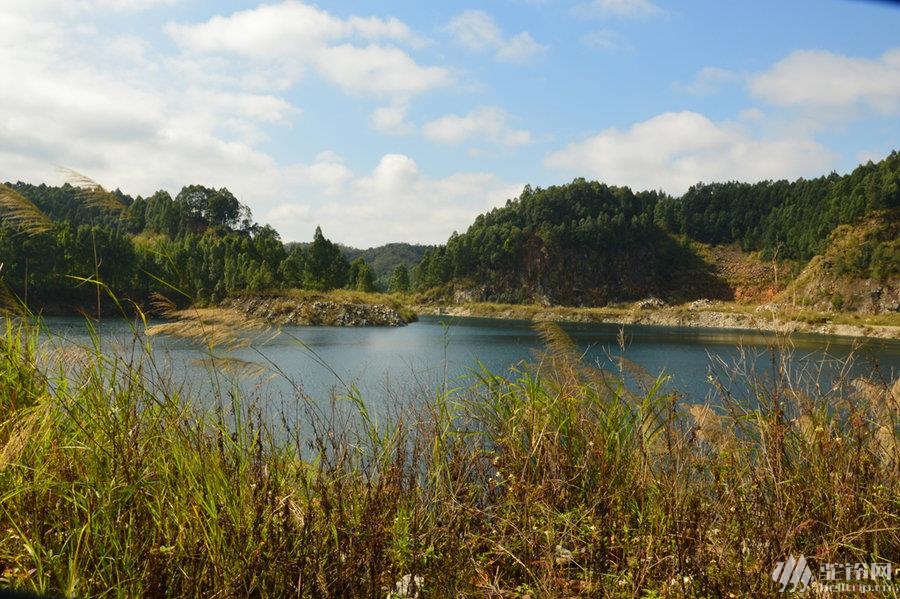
x: 408, y: 587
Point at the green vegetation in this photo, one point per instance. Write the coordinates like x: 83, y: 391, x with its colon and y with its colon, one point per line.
x: 876, y: 255
x: 324, y: 266
x: 585, y: 243
x: 859, y: 269
x: 793, y: 220
x: 386, y: 259
x: 360, y: 276
x: 399, y: 280
x: 57, y: 243
x: 554, y: 480
x: 579, y: 244
x: 582, y: 243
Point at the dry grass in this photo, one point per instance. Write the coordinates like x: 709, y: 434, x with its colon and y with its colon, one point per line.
x: 554, y: 480
x: 91, y: 193
x: 21, y: 213
x: 213, y: 327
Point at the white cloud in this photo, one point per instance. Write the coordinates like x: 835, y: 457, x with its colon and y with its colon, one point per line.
x: 477, y: 31
x: 279, y: 30
x: 287, y: 39
x: 288, y: 213
x: 395, y: 201
x: 627, y: 9
x: 127, y: 5
x: 519, y: 48
x: 74, y: 7
x: 392, y: 118
x: 674, y: 150
x: 131, y: 118
x: 487, y: 122
x: 708, y: 81
x: 327, y: 174
x: 825, y: 80
x: 602, y: 39
x: 866, y: 156
x: 752, y: 115
x: 111, y: 109
x: 377, y: 69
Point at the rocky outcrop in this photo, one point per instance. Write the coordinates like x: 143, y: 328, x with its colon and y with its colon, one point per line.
x: 858, y: 272
x: 323, y: 312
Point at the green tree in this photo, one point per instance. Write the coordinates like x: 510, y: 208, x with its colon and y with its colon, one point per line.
x: 364, y: 279
x: 353, y: 272
x: 291, y: 268
x: 325, y: 268
x: 399, y: 280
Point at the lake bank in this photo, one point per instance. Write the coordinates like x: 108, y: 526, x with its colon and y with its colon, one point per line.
x: 696, y: 315
x: 341, y: 308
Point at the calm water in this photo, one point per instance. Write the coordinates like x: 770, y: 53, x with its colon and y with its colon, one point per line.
x: 382, y: 362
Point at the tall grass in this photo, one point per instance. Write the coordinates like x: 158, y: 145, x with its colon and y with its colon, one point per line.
x: 554, y: 480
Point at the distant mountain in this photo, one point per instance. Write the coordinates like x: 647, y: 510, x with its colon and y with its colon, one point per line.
x: 384, y: 259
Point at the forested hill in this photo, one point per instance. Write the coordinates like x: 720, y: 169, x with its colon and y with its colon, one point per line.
x: 589, y: 243
x: 385, y: 259
x: 77, y: 247
x: 580, y: 243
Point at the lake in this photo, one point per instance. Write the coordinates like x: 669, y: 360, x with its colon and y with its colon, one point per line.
x: 419, y: 358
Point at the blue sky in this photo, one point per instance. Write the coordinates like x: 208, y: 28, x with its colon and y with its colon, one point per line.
x: 401, y: 121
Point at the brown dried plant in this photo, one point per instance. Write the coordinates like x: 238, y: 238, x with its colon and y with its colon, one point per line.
x: 21, y: 213
x: 92, y: 194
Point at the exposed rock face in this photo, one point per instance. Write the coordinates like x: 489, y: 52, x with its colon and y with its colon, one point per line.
x: 282, y: 310
x: 650, y: 303
x: 844, y: 277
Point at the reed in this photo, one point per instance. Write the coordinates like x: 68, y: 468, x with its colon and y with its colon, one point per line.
x: 551, y: 480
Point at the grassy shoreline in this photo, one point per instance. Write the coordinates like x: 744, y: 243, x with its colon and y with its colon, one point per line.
x: 555, y: 480
x: 714, y: 315
x: 726, y: 315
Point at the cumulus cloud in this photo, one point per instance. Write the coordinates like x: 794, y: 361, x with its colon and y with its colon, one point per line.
x: 376, y: 69
x: 821, y: 79
x: 359, y: 54
x: 276, y: 30
x: 487, y: 122
x: 82, y: 101
x: 327, y: 174
x: 674, y: 150
x: 627, y: 9
x: 477, y: 31
x: 396, y: 200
